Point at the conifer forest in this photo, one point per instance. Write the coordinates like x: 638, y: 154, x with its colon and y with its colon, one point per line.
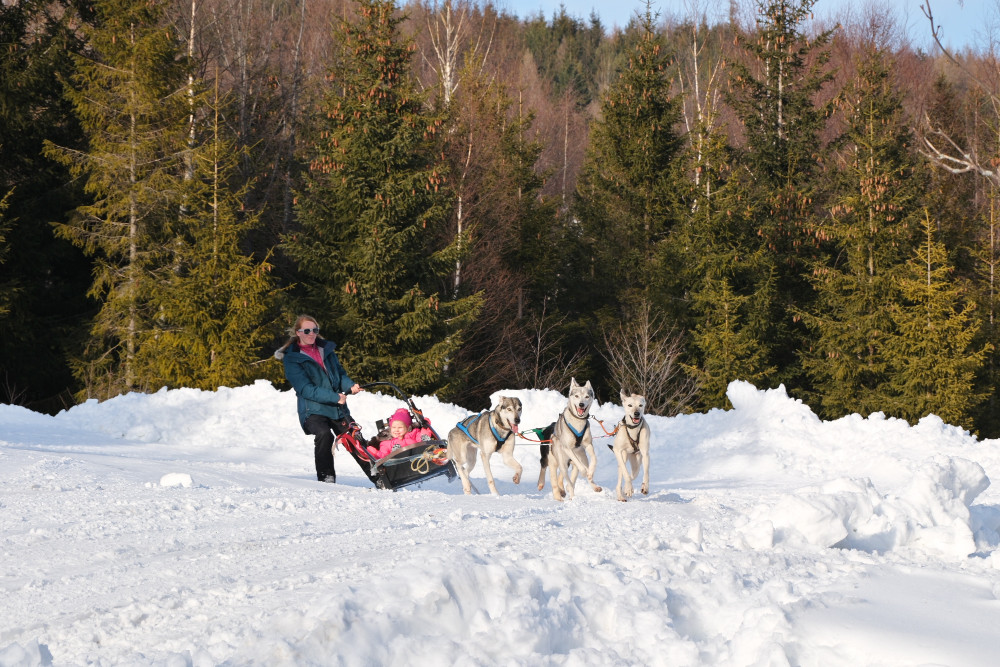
x: 466, y: 201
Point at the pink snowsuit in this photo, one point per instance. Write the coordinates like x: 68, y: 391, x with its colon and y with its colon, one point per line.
x: 411, y: 437
x: 414, y: 436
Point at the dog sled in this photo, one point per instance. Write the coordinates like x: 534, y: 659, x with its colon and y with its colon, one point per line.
x: 407, y: 465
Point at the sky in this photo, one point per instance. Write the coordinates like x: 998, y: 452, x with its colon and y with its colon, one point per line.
x: 186, y: 528
x: 962, y: 21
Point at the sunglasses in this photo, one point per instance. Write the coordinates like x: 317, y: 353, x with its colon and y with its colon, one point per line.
x: 308, y: 331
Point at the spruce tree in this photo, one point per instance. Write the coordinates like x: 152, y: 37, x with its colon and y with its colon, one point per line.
x: 127, y: 93
x: 935, y: 354
x: 43, y: 281
x: 984, y: 285
x: 626, y: 191
x: 567, y: 52
x: 727, y: 349
x: 874, y: 216
x: 725, y: 273
x: 216, y: 308
x: 774, y: 91
x: 954, y: 199
x: 373, y: 208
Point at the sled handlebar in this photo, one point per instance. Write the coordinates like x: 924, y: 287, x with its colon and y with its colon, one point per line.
x: 409, y: 401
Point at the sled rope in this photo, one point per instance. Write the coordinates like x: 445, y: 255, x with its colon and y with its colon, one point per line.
x: 422, y: 464
x: 537, y: 431
x: 606, y: 431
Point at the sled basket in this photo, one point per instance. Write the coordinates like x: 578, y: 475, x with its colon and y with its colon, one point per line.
x: 413, y: 464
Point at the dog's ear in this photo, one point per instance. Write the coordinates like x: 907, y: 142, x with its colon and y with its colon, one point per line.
x: 624, y: 395
x: 587, y: 386
x: 572, y: 383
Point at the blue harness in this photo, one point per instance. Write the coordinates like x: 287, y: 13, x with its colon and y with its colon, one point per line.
x: 464, y: 425
x: 579, y: 434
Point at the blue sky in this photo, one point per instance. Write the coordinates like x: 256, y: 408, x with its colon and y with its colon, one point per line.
x: 962, y: 22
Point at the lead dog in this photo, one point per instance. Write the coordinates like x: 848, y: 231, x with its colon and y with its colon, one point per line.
x: 486, y: 432
x: 571, y: 442
x: 631, y: 445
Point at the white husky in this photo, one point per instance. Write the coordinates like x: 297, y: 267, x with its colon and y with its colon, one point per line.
x: 572, y: 441
x: 631, y: 445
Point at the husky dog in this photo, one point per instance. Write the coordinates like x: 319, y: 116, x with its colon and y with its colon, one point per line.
x: 631, y: 445
x: 486, y: 432
x: 572, y: 441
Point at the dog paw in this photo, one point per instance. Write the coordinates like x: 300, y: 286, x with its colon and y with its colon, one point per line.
x: 645, y: 490
x: 597, y: 489
x: 517, y: 478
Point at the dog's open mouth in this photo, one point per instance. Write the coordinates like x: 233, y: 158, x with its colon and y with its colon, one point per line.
x: 580, y: 411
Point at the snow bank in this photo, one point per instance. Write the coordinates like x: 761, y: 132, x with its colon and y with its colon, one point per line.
x: 923, y: 506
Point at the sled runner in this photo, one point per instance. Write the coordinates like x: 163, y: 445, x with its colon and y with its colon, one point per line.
x: 404, y: 466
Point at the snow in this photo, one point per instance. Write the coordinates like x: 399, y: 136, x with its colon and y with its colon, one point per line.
x: 186, y: 528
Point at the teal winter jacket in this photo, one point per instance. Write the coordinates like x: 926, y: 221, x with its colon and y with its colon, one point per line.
x: 318, y: 389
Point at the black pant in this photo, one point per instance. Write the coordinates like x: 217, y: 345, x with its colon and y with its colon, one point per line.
x: 323, y: 429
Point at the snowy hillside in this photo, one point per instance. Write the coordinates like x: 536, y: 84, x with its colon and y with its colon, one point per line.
x: 187, y: 528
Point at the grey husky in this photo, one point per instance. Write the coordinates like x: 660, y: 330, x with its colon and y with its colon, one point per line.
x: 631, y: 445
x: 486, y: 432
x: 571, y: 442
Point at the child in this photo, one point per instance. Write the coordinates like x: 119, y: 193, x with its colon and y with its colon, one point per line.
x: 401, y: 434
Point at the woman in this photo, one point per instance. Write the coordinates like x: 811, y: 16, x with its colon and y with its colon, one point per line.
x: 321, y: 386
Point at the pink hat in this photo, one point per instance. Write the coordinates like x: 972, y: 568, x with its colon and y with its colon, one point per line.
x: 401, y: 415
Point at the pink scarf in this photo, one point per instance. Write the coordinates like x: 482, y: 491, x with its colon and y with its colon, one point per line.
x: 314, y: 352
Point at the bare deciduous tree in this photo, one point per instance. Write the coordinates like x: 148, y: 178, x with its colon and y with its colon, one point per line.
x: 938, y: 145
x: 265, y: 52
x: 547, y: 365
x: 644, y: 355
x: 449, y: 28
x: 699, y: 81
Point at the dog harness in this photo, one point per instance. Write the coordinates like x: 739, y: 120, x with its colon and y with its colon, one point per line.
x: 633, y: 442
x: 464, y: 425
x: 579, y: 434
